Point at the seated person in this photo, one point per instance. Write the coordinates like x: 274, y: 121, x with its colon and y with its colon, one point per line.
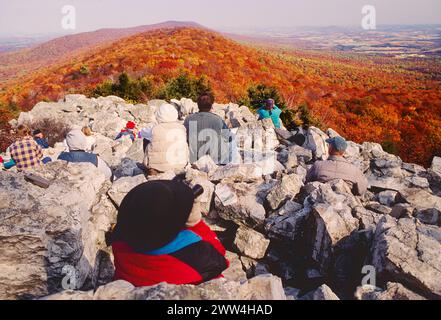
x: 168, y: 149
x: 77, y: 144
x: 129, y: 130
x: 146, y: 135
x: 337, y: 167
x: 91, y: 140
x: 7, y: 162
x: 207, y: 133
x: 271, y: 111
x: 39, y: 138
x: 25, y: 152
x: 152, y: 244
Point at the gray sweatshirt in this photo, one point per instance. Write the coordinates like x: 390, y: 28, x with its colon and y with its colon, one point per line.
x: 338, y: 168
x: 207, y: 134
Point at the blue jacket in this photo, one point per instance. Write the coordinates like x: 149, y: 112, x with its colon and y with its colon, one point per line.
x: 273, y: 114
x: 126, y: 132
x: 42, y: 143
x: 79, y: 156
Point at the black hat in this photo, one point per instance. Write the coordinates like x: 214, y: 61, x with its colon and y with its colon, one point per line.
x: 153, y: 214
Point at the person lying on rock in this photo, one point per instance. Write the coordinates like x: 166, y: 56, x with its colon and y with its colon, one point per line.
x: 129, y: 130
x: 77, y: 144
x: 168, y: 149
x: 271, y: 111
x: 159, y: 238
x: 207, y: 133
x: 25, y: 152
x: 337, y: 167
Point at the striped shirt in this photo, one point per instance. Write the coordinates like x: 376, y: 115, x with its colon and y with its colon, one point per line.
x: 26, y: 153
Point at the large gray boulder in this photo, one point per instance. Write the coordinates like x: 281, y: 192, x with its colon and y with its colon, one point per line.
x: 330, y: 223
x: 393, y: 291
x: 264, y: 287
x: 322, y: 293
x: 121, y: 187
x: 287, y: 189
x: 407, y: 252
x: 251, y: 243
x: 237, y: 173
x: 316, y: 142
x: 47, y: 233
x: 240, y: 204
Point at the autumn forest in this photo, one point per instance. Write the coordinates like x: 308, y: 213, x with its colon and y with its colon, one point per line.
x: 393, y: 102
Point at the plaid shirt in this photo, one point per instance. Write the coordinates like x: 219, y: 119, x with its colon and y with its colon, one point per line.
x: 26, y: 153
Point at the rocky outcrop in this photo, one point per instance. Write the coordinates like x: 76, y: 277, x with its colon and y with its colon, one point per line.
x: 282, y: 234
x: 331, y: 222
x: 46, y: 233
x: 407, y: 252
x: 251, y: 243
x: 265, y: 287
x: 394, y: 291
x: 321, y: 294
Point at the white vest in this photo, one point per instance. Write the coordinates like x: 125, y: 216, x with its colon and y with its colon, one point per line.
x: 168, y: 150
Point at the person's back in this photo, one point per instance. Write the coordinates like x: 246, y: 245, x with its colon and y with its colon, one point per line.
x: 78, y: 156
x: 207, y: 133
x: 39, y: 138
x: 337, y: 167
x: 152, y: 242
x: 77, y: 144
x: 25, y: 152
x: 168, y: 149
x: 129, y: 130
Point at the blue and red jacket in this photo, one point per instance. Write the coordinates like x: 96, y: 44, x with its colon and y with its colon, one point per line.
x: 126, y: 132
x: 194, y: 257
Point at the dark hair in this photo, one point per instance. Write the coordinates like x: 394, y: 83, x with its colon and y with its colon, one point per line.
x: 23, y: 130
x: 35, y: 132
x: 205, y: 101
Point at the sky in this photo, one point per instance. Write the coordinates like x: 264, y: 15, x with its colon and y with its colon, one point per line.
x: 45, y: 16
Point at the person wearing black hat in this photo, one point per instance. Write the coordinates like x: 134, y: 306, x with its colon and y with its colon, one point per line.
x: 152, y: 242
x: 337, y: 167
x: 39, y: 139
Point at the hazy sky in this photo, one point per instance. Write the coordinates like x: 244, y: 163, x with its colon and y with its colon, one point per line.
x: 44, y: 16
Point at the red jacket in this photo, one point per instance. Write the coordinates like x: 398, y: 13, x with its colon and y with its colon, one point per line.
x: 194, y: 257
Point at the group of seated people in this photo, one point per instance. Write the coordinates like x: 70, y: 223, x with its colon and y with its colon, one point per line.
x: 160, y: 235
x: 27, y: 151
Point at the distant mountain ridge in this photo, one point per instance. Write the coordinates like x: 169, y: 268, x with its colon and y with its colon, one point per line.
x: 29, y: 59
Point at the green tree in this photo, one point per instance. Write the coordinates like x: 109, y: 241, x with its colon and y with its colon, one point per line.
x: 138, y: 90
x: 104, y: 89
x: 306, y: 118
x: 184, y: 86
x: 258, y: 94
x: 84, y: 70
